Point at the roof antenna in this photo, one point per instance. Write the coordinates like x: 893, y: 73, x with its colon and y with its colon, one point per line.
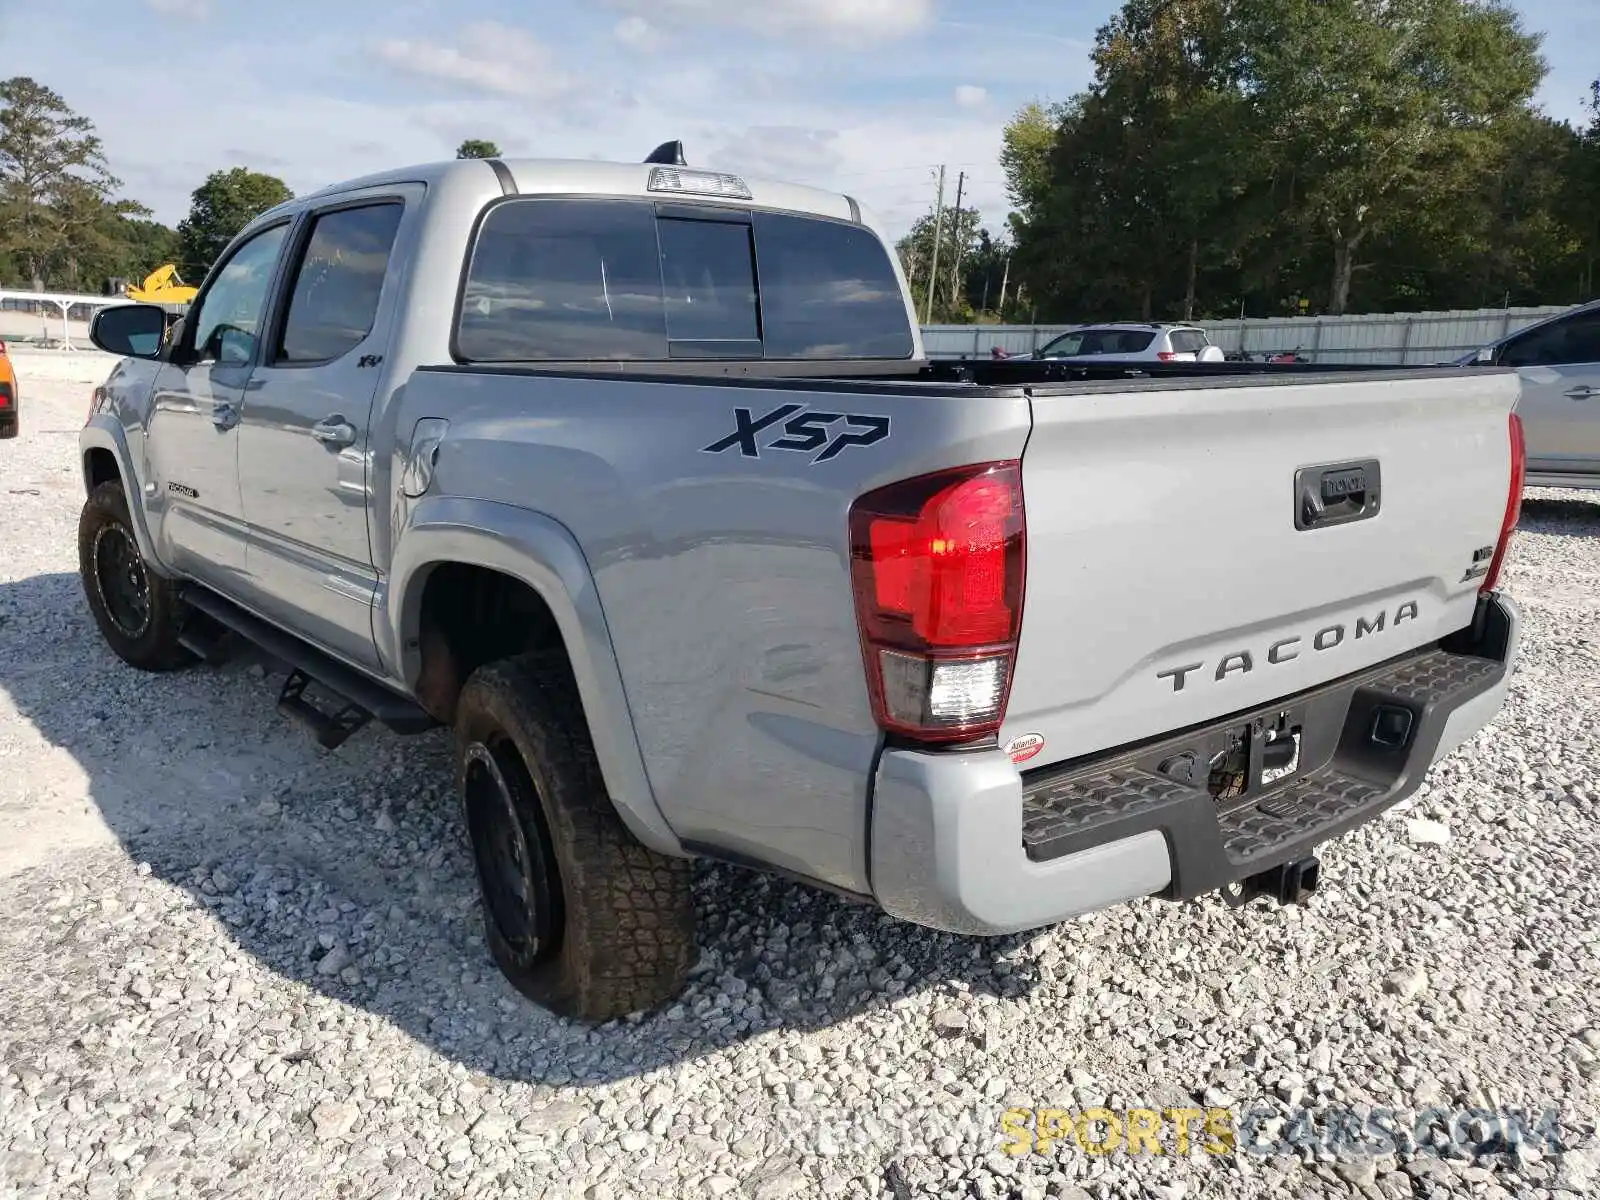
x: 669, y: 154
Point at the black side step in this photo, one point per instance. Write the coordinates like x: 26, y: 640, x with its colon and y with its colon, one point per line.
x: 331, y: 729
x: 205, y: 639
x: 369, y: 699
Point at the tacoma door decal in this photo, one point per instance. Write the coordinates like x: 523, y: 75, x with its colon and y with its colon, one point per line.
x: 794, y: 428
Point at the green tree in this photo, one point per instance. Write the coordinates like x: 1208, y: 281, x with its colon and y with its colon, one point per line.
x: 959, y: 239
x: 1580, y: 199
x: 985, y: 274
x: 1148, y: 178
x: 1243, y: 155
x: 219, y: 208
x: 55, y: 186
x: 1026, y: 144
x: 477, y: 148
x: 143, y: 246
x: 1372, y: 111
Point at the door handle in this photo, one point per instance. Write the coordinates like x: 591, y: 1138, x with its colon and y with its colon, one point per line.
x: 224, y: 416
x: 1582, y: 392
x: 334, y: 431
x: 1336, y: 494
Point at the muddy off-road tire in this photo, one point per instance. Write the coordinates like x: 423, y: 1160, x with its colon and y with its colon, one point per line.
x: 138, y: 611
x: 580, y: 916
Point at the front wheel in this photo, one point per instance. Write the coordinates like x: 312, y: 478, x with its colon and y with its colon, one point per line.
x: 579, y: 916
x: 138, y: 611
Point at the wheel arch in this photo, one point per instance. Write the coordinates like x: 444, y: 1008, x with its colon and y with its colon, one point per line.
x: 540, y: 554
x: 104, y: 456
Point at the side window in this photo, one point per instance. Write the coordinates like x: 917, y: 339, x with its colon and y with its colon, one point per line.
x: 1583, y: 339
x: 338, y: 283
x: 564, y: 279
x: 1573, y: 339
x: 828, y: 290
x: 1067, y: 345
x: 228, y: 324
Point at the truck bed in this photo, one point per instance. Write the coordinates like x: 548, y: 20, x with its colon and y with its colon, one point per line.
x: 1161, y: 545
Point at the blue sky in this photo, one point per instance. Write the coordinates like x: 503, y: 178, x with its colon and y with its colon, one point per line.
x: 861, y: 95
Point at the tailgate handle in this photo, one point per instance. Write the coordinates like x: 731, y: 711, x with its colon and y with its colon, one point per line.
x: 1336, y: 494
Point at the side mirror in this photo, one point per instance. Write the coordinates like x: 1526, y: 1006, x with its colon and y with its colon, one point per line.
x: 129, y: 330
x: 1485, y: 356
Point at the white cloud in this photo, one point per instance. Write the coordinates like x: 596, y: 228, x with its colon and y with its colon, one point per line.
x: 824, y: 18
x: 772, y: 110
x: 781, y: 152
x: 196, y: 10
x: 636, y: 32
x: 489, y: 57
x: 970, y: 96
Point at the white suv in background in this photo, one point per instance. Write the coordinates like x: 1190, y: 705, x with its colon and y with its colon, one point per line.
x: 1133, y: 341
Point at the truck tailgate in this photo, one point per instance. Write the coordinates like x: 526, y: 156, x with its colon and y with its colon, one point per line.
x: 1167, y: 581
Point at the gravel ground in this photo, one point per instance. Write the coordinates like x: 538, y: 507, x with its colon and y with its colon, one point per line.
x: 234, y: 965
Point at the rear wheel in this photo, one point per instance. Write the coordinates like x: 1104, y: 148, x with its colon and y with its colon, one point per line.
x: 578, y: 914
x: 138, y: 611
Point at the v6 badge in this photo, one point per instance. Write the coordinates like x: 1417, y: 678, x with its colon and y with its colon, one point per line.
x: 825, y: 434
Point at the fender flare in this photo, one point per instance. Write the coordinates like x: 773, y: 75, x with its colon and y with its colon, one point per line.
x: 103, y: 433
x: 543, y: 554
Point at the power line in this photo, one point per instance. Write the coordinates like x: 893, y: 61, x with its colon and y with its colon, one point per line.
x: 907, y: 167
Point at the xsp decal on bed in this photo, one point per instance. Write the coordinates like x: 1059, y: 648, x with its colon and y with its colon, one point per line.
x: 802, y: 431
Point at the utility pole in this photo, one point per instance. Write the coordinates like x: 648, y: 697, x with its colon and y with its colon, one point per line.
x: 955, y: 228
x: 1004, y: 281
x: 933, y: 275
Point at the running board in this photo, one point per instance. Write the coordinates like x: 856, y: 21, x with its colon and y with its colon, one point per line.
x: 363, y: 699
x: 204, y: 639
x: 332, y: 729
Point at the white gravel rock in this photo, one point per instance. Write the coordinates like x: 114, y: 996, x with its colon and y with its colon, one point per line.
x: 1421, y: 832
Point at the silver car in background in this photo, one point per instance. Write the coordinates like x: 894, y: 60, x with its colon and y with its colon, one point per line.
x: 1559, y: 361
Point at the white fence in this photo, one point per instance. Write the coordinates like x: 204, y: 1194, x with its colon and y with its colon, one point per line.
x: 58, y: 320
x: 1411, y: 338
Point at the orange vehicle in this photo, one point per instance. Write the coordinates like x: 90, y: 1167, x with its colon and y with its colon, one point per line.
x: 8, y: 396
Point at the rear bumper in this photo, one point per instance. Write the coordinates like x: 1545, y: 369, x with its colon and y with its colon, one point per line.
x: 965, y: 842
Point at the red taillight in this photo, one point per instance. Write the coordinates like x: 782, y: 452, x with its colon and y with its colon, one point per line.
x: 2, y: 347
x: 937, y: 567
x: 1519, y: 471
x: 1167, y: 355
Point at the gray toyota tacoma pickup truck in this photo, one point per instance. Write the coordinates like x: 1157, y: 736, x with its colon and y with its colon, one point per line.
x: 636, y: 477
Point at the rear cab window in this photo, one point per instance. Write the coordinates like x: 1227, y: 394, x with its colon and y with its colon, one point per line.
x: 1189, y: 341
x: 624, y: 279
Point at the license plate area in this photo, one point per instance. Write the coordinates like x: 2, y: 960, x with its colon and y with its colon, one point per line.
x: 1240, y: 764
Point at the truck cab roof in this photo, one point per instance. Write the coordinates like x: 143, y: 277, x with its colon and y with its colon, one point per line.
x: 587, y: 177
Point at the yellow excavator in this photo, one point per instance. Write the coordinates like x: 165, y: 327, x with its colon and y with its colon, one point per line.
x: 162, y: 286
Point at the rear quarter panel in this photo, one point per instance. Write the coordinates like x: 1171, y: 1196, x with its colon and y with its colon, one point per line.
x: 724, y: 575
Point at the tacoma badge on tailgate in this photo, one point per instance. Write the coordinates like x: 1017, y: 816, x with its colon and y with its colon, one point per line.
x: 1243, y: 662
